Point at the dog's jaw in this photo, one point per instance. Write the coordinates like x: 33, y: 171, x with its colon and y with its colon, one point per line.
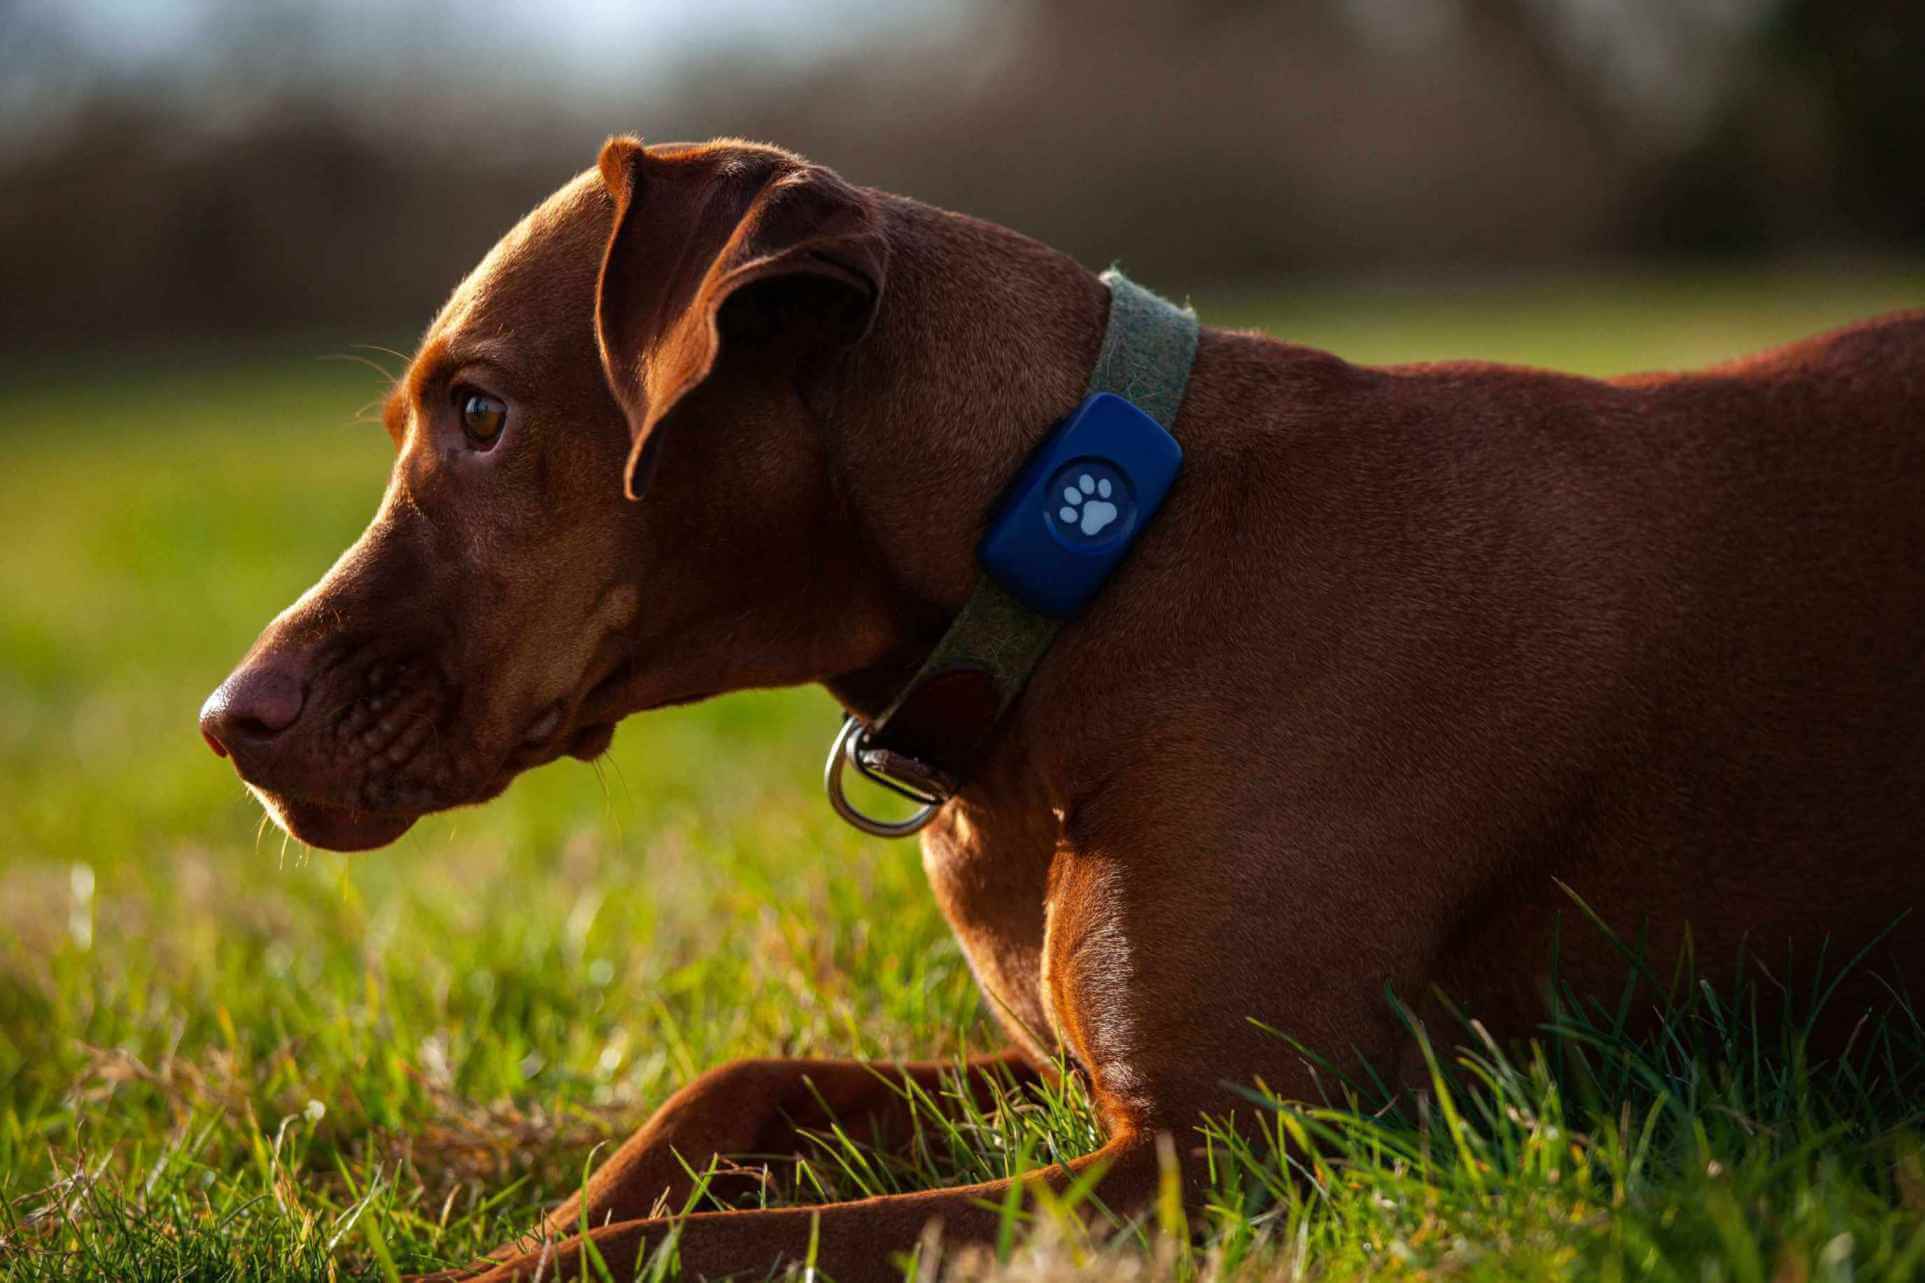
x: 333, y: 828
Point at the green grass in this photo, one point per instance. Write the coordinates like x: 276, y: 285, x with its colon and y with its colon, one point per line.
x: 222, y: 1056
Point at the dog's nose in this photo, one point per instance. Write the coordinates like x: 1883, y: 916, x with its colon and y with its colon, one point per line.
x: 258, y: 702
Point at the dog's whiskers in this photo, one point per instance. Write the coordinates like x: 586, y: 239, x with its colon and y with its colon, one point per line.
x: 628, y: 797
x: 385, y: 351
x: 358, y: 359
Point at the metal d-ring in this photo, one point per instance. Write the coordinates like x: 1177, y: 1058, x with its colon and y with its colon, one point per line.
x: 845, y: 751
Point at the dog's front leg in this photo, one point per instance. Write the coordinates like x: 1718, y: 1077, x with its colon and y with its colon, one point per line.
x: 854, y: 1242
x: 756, y: 1108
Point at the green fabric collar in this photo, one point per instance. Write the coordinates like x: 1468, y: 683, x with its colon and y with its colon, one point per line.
x: 925, y: 744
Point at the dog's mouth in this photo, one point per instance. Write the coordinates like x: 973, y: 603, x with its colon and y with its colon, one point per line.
x: 406, y: 757
x: 595, y: 729
x: 545, y: 740
x: 580, y: 728
x: 591, y: 741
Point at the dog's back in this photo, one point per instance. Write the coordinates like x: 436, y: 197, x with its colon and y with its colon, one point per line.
x: 1496, y: 630
x: 1768, y: 778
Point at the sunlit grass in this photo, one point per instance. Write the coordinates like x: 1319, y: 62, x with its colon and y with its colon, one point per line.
x: 223, y: 1056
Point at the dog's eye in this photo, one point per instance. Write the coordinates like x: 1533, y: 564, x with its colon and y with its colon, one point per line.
x: 482, y: 416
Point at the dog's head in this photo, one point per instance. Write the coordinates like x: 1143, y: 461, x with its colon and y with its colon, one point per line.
x: 511, y: 599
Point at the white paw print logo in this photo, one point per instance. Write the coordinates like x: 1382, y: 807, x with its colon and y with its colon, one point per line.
x: 1086, y: 505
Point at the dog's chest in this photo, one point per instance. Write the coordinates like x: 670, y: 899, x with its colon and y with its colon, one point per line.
x: 991, y: 881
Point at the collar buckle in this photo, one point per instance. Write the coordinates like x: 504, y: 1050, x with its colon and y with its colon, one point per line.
x: 900, y: 773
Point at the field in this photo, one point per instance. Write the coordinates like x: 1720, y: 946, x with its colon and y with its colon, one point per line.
x: 225, y: 1056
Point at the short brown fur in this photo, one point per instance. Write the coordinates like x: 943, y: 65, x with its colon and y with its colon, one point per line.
x: 1407, y: 649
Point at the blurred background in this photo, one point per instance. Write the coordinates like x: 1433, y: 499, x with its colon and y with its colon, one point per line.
x: 177, y: 168
x: 215, y: 216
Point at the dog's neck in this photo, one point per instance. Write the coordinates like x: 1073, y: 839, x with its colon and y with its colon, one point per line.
x: 929, y: 420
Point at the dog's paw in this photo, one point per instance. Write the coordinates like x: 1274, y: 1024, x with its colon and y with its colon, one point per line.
x: 1086, y: 505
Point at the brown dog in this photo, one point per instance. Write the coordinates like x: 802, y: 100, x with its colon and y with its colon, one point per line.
x: 1405, y: 649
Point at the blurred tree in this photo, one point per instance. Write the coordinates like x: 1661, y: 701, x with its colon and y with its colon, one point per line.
x: 1819, y: 139
x: 1865, y: 63
x: 274, y: 165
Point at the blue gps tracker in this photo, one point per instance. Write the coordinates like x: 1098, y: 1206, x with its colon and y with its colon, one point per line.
x: 1079, y: 503
x: 1060, y: 529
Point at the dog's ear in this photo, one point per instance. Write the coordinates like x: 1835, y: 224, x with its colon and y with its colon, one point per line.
x: 692, y: 227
